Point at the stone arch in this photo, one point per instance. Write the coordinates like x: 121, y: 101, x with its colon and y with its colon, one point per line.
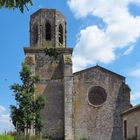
x: 48, y: 31
x: 35, y: 34
x: 60, y: 34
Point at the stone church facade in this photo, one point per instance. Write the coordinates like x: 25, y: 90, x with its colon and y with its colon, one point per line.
x: 86, y: 104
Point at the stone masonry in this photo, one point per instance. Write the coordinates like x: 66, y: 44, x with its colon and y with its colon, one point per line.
x: 56, y: 79
x: 99, y: 122
x: 131, y: 123
x: 84, y: 104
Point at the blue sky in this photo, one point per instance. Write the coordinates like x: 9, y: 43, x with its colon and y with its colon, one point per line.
x: 103, y: 32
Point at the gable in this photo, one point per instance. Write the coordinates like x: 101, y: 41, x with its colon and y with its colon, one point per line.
x: 99, y: 69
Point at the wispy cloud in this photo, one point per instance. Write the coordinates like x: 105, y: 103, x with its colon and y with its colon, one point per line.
x: 129, y: 50
x: 2, y: 108
x: 135, y: 96
x: 135, y: 73
x: 40, y: 6
x: 96, y: 45
x: 5, y: 120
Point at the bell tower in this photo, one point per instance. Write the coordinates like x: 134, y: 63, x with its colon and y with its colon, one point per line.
x: 47, y: 28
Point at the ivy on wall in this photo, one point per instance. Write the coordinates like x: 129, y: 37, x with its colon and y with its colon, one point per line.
x: 52, y: 52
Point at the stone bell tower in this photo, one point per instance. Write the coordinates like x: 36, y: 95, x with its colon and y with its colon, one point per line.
x: 48, y: 26
x: 48, y: 30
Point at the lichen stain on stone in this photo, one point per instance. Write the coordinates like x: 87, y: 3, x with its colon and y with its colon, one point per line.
x: 76, y: 107
x: 67, y: 59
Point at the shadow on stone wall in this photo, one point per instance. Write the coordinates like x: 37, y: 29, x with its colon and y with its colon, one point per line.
x: 122, y: 104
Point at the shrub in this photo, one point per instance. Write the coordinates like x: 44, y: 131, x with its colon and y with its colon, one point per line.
x: 132, y: 138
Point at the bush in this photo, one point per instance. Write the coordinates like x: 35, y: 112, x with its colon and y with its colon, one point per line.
x: 132, y: 138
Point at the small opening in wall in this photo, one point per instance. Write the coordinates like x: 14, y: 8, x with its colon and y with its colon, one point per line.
x: 125, y: 129
x: 60, y: 34
x: 48, y: 31
x: 35, y: 34
x: 136, y: 132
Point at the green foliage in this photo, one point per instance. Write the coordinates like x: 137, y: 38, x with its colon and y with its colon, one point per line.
x: 83, y: 139
x: 52, y: 52
x: 21, y: 137
x: 16, y: 4
x: 132, y: 138
x: 27, y: 111
x: 6, y: 137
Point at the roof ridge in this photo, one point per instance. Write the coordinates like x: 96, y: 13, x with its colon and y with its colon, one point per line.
x: 102, y: 68
x: 131, y: 109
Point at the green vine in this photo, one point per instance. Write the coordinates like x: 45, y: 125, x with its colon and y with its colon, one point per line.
x: 52, y: 52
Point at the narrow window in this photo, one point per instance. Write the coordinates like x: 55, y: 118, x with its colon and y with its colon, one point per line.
x: 136, y: 132
x: 48, y: 31
x: 60, y: 34
x: 35, y: 34
x: 125, y: 129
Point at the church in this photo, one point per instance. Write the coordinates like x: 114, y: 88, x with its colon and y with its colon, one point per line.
x: 86, y: 104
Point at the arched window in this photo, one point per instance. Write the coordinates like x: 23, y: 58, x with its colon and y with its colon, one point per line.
x: 60, y: 34
x: 35, y: 34
x: 48, y: 31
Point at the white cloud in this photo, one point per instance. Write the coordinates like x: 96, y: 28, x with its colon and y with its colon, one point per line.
x: 5, y: 119
x: 2, y: 109
x: 95, y: 45
x: 135, y: 73
x: 40, y: 6
x: 129, y: 50
x: 135, y: 98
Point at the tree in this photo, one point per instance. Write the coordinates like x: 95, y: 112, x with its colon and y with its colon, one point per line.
x: 16, y: 4
x: 26, y: 114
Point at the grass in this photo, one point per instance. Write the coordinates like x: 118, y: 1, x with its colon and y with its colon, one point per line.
x: 30, y: 138
x: 9, y: 137
x: 6, y: 137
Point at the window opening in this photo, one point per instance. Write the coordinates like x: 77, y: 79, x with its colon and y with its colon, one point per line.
x: 60, y: 34
x: 48, y: 31
x: 125, y: 129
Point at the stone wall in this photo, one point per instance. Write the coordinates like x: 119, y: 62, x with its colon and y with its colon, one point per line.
x: 51, y: 87
x: 39, y: 19
x: 133, y: 122
x: 68, y: 96
x: 56, y: 85
x: 101, y: 122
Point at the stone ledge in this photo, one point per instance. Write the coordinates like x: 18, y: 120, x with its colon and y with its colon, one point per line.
x: 41, y: 50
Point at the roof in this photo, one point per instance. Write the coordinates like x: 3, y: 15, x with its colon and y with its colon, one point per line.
x: 102, y: 69
x: 130, y: 110
x: 45, y: 10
